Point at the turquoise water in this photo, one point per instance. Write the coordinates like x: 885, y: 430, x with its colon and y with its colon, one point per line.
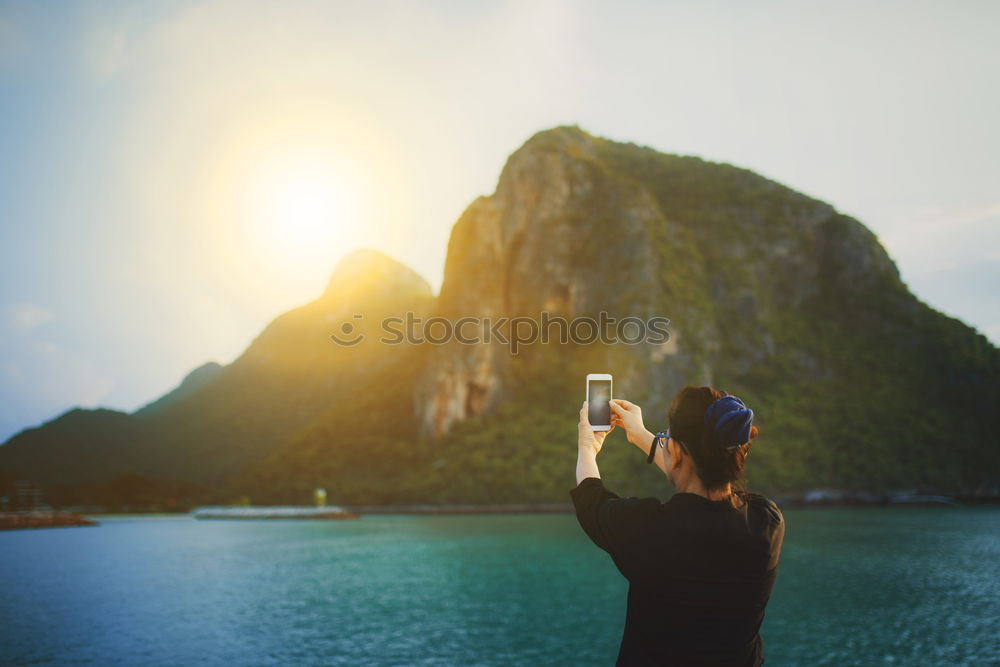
x: 895, y: 586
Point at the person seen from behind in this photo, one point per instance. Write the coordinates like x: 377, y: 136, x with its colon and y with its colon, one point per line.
x: 700, y: 566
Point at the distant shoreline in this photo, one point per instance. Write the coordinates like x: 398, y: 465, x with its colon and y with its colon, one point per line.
x: 42, y: 519
x: 567, y: 508
x: 823, y: 499
x: 522, y: 508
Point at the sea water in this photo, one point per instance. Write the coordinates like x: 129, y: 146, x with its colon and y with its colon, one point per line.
x: 861, y: 586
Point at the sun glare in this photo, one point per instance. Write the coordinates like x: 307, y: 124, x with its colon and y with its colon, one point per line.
x: 283, y: 196
x: 305, y: 208
x: 301, y: 212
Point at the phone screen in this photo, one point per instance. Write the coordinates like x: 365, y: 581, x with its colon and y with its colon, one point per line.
x: 598, y: 410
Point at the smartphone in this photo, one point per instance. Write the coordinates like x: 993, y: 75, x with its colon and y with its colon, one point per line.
x: 598, y: 397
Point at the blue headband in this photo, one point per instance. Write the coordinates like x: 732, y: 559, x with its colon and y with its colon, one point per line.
x: 730, y: 421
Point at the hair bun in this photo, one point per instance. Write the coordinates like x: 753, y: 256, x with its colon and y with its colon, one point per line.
x: 730, y: 421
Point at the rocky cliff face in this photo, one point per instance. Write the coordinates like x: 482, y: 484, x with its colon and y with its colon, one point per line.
x: 579, y: 225
x: 561, y: 234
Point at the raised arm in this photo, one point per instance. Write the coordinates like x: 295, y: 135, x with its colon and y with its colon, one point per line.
x: 588, y: 445
x: 629, y: 417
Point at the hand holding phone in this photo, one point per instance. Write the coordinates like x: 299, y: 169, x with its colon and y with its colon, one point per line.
x: 629, y: 417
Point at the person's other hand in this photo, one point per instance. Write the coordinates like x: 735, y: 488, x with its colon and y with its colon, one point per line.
x: 587, y: 437
x: 629, y: 417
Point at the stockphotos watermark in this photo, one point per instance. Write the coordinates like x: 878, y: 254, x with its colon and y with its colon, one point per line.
x: 511, y: 331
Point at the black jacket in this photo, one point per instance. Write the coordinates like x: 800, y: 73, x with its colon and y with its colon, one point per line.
x: 700, y: 572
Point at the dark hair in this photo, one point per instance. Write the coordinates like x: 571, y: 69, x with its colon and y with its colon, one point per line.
x: 714, y: 465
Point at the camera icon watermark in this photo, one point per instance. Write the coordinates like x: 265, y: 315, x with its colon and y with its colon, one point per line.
x: 349, y: 336
x: 514, y: 332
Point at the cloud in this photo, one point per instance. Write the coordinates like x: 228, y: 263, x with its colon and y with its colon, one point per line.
x: 935, y: 218
x: 931, y: 239
x: 38, y: 378
x: 23, y: 317
x: 108, y: 51
x: 11, y: 41
x: 993, y: 333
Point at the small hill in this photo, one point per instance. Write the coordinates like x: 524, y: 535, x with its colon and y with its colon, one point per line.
x: 77, y: 447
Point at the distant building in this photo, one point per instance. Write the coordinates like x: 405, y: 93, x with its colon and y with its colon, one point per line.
x: 27, y: 495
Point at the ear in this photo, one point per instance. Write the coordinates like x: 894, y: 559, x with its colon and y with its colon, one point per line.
x: 676, y: 454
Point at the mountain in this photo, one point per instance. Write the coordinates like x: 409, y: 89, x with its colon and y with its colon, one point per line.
x: 290, y: 373
x: 772, y: 295
x: 224, y: 417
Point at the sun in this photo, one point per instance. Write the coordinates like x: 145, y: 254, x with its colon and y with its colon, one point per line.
x: 303, y: 209
x: 283, y: 194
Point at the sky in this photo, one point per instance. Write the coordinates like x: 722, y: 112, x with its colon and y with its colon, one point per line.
x: 147, y: 150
